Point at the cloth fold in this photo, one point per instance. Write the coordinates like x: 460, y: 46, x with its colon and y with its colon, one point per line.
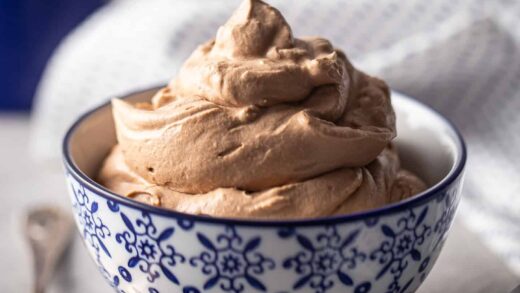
x: 462, y: 57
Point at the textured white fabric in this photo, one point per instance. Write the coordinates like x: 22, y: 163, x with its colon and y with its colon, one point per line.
x: 460, y: 56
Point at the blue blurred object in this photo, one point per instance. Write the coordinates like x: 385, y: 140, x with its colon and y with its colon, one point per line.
x: 29, y: 32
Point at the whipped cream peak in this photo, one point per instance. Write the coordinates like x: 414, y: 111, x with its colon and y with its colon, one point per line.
x: 255, y: 60
x: 265, y: 27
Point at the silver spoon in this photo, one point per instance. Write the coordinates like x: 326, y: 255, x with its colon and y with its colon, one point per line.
x: 48, y: 230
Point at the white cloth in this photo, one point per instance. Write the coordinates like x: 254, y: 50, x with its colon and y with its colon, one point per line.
x: 460, y: 56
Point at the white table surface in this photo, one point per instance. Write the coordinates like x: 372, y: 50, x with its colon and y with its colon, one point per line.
x: 465, y: 265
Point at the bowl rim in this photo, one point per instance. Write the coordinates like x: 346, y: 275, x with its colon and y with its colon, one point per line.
x: 414, y: 201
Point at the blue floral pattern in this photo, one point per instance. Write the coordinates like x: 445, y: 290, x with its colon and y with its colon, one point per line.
x: 442, y: 226
x: 94, y: 231
x: 190, y: 289
x: 324, y: 260
x: 401, y: 247
x: 232, y: 262
x: 131, y: 246
x: 149, y: 247
x: 114, y: 282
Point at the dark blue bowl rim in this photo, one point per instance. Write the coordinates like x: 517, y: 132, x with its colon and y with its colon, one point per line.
x: 417, y: 200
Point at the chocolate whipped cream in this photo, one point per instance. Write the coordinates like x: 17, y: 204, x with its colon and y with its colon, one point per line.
x: 259, y: 124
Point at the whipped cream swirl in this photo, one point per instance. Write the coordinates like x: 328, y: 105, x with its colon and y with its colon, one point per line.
x: 260, y: 124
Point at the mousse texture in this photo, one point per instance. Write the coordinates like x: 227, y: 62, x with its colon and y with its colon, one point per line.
x: 259, y: 124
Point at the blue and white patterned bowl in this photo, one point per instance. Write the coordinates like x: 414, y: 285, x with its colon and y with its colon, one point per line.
x: 140, y: 248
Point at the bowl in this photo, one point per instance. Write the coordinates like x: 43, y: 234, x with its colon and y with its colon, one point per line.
x: 141, y: 248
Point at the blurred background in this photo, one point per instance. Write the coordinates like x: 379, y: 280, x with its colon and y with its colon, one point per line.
x: 59, y: 58
x: 30, y: 30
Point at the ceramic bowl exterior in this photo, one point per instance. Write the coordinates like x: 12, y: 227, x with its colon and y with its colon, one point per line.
x: 139, y: 248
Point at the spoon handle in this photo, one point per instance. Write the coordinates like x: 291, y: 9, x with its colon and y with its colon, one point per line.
x: 48, y: 231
